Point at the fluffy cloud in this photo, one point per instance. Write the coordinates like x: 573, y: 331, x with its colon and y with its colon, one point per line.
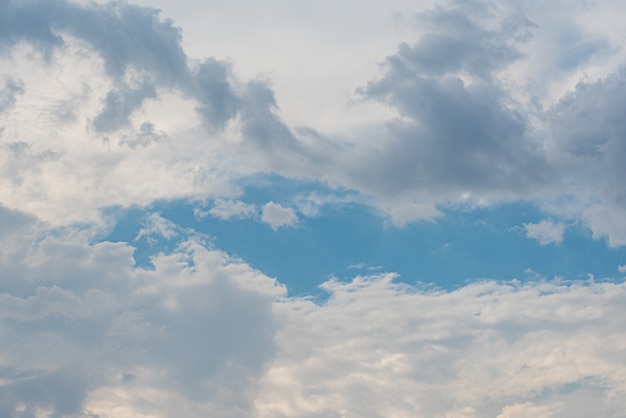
x: 100, y: 107
x: 199, y: 322
x: 488, y: 349
x: 278, y: 216
x: 546, y: 232
x: 476, y: 122
x: 229, y: 208
x: 206, y: 334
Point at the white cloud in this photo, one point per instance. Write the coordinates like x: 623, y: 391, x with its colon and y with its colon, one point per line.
x: 621, y: 268
x: 205, y: 333
x: 526, y: 410
x: 101, y: 107
x: 278, y: 216
x: 228, y: 208
x: 82, y: 321
x: 606, y: 222
x: 545, y: 232
x: 157, y: 226
x: 487, y: 349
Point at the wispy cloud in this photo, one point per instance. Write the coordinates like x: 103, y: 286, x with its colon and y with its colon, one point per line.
x: 485, y: 102
x: 228, y: 208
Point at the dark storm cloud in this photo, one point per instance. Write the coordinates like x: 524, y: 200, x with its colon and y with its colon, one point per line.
x: 144, y: 137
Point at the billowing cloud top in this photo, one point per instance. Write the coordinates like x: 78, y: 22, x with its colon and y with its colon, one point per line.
x: 483, y: 104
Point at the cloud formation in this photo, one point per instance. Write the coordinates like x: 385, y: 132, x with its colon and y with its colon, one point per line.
x: 471, y: 128
x: 545, y: 232
x: 277, y: 216
x: 198, y: 321
x: 205, y: 333
x: 101, y: 107
x: 382, y: 349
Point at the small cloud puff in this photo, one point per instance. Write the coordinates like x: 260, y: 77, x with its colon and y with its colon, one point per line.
x: 227, y: 209
x: 278, y: 216
x: 157, y: 226
x: 545, y: 232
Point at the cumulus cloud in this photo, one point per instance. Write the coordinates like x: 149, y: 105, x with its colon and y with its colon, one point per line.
x: 205, y: 333
x: 277, y: 216
x: 8, y: 94
x: 545, y: 232
x: 377, y: 348
x: 101, y: 107
x: 228, y: 208
x: 199, y: 321
x: 475, y: 123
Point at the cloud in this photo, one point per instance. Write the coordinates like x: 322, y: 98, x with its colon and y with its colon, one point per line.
x: 8, y: 93
x: 199, y: 322
x: 278, y: 216
x: 473, y: 121
x: 460, y: 131
x: 101, y: 107
x: 527, y: 409
x: 621, y: 268
x: 377, y: 348
x: 157, y: 226
x: 228, y: 208
x: 545, y: 232
x: 205, y: 333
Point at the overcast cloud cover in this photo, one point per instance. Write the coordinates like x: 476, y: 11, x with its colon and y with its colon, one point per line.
x: 413, y: 110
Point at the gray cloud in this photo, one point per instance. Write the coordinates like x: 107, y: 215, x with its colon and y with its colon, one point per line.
x: 202, y: 322
x: 120, y: 104
x: 147, y: 135
x: 461, y: 130
x: 9, y: 92
x: 588, y: 131
x: 130, y: 39
x: 61, y: 391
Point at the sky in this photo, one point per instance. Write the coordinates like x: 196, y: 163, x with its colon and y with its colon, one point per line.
x: 312, y: 209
